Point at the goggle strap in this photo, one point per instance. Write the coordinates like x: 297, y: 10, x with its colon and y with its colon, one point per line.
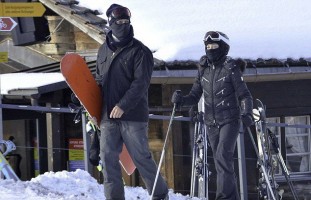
x: 220, y: 37
x: 224, y: 39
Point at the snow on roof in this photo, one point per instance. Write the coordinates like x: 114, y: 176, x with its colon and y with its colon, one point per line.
x: 27, y: 81
x: 257, y: 29
x: 174, y: 30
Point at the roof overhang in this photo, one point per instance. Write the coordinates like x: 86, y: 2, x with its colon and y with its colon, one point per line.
x: 80, y: 17
x: 158, y: 77
x: 250, y: 75
x: 30, y: 85
x: 36, y: 92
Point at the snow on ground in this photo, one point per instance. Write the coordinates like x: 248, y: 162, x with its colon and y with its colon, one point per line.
x: 78, y: 185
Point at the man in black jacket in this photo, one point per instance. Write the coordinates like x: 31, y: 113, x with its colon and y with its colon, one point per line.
x: 226, y: 101
x: 123, y: 71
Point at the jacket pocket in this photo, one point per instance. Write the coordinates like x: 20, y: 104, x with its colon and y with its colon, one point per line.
x: 102, y: 60
x: 126, y: 68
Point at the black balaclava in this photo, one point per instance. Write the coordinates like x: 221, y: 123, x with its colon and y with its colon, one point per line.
x: 122, y: 32
x: 215, y: 55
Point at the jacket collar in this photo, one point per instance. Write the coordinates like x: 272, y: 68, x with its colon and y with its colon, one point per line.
x: 221, y: 61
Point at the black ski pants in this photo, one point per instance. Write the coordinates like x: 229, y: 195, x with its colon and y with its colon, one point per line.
x: 134, y: 135
x: 223, y: 141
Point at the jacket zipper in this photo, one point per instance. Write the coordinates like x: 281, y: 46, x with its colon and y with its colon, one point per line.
x: 205, y: 79
x: 114, y: 54
x: 213, y: 109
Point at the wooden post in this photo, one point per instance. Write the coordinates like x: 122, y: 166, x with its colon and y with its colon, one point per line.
x: 55, y: 137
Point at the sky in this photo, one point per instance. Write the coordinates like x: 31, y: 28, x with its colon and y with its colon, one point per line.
x: 64, y: 185
x: 174, y: 29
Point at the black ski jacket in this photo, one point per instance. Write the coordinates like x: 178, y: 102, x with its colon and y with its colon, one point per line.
x: 226, y: 96
x: 124, y: 76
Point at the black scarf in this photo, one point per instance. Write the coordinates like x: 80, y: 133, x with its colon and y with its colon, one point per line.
x: 124, y: 40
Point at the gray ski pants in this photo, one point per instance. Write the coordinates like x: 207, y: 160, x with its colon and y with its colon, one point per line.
x: 223, y: 141
x: 134, y: 135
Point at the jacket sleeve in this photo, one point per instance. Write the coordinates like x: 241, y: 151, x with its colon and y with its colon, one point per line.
x: 143, y: 68
x: 244, y: 96
x: 98, y: 76
x: 195, y: 93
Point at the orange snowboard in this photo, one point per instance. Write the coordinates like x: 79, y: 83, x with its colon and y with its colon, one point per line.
x: 81, y: 81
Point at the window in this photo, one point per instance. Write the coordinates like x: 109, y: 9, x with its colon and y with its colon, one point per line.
x: 297, y: 144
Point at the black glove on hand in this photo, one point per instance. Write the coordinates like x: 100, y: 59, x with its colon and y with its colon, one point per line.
x: 177, y: 98
x: 247, y: 120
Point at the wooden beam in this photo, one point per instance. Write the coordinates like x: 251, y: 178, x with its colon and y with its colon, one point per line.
x: 55, y: 141
x: 55, y: 49
x: 93, y: 31
x: 156, y: 145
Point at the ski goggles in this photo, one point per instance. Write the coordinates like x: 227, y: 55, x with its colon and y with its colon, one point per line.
x: 215, y: 36
x: 121, y: 13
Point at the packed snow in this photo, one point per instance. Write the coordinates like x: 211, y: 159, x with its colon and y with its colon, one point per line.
x: 257, y: 29
x: 78, y: 185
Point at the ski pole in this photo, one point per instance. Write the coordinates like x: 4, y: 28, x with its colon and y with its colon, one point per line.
x: 163, y: 151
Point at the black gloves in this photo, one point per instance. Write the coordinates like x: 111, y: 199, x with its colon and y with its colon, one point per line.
x: 177, y: 98
x: 247, y: 119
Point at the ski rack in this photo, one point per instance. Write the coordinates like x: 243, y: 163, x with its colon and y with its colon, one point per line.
x: 267, y: 186
x: 200, y: 173
x: 5, y: 167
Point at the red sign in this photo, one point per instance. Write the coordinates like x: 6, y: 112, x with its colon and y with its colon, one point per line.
x: 7, y: 23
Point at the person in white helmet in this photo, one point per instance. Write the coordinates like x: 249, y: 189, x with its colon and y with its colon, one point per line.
x: 227, y: 102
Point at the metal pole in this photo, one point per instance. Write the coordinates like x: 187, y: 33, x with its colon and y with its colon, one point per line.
x: 1, y: 124
x: 194, y: 155
x: 163, y: 151
x: 1, y: 120
x: 242, y: 164
x: 86, y: 145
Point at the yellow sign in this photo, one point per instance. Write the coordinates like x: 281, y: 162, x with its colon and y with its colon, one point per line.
x: 21, y: 9
x: 4, y: 56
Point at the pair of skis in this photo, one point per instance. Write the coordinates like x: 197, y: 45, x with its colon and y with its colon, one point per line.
x: 5, y: 167
x: 200, y: 172
x: 266, y: 141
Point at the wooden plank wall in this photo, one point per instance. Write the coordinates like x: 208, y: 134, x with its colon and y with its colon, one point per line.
x: 62, y: 38
x: 284, y: 98
x: 84, y: 42
x: 65, y: 38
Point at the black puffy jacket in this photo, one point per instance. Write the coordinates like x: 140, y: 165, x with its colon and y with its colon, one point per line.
x: 226, y: 95
x: 124, y: 76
